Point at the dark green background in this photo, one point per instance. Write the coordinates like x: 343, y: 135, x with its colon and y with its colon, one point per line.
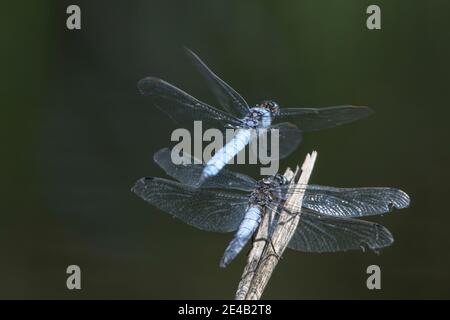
x: 77, y: 135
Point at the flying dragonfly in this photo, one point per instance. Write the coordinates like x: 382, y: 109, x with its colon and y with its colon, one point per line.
x: 232, y: 201
x: 236, y: 113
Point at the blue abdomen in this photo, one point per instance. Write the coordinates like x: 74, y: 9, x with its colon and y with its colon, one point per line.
x: 245, y: 231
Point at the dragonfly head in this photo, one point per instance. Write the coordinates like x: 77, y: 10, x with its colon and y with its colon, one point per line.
x: 271, y: 106
x: 282, y: 180
x: 275, y: 180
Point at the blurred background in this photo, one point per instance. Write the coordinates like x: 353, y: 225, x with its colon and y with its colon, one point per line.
x: 77, y: 135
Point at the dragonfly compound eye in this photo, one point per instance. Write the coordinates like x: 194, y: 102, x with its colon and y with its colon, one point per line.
x: 270, y: 105
x: 281, y: 179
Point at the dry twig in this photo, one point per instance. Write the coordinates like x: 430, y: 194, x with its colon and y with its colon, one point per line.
x: 265, y: 252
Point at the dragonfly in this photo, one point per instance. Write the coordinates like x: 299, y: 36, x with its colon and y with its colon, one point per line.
x: 235, y: 113
x: 232, y: 201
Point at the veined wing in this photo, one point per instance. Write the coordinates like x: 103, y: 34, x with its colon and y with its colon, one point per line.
x: 189, y: 173
x: 180, y: 106
x: 351, y: 202
x: 311, y: 119
x: 210, y: 210
x: 320, y: 233
x: 289, y: 138
x: 227, y: 97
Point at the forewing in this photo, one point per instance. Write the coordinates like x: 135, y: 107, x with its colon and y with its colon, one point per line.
x: 182, y: 107
x: 227, y: 97
x: 189, y: 173
x: 209, y: 210
x: 320, y: 233
x: 352, y: 202
x: 311, y: 119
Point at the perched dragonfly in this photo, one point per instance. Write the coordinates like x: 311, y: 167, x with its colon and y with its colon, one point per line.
x: 232, y: 201
x: 236, y: 113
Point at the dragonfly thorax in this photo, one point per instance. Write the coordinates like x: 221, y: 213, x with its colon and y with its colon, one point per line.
x: 258, y: 118
x: 267, y: 190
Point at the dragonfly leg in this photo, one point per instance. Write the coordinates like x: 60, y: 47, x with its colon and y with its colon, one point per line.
x: 269, y: 240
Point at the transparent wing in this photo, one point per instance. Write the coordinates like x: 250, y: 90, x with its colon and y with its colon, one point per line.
x: 319, y: 233
x: 288, y: 139
x: 182, y: 107
x: 209, y: 210
x: 311, y: 119
x: 189, y: 173
x: 351, y: 202
x: 227, y: 97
